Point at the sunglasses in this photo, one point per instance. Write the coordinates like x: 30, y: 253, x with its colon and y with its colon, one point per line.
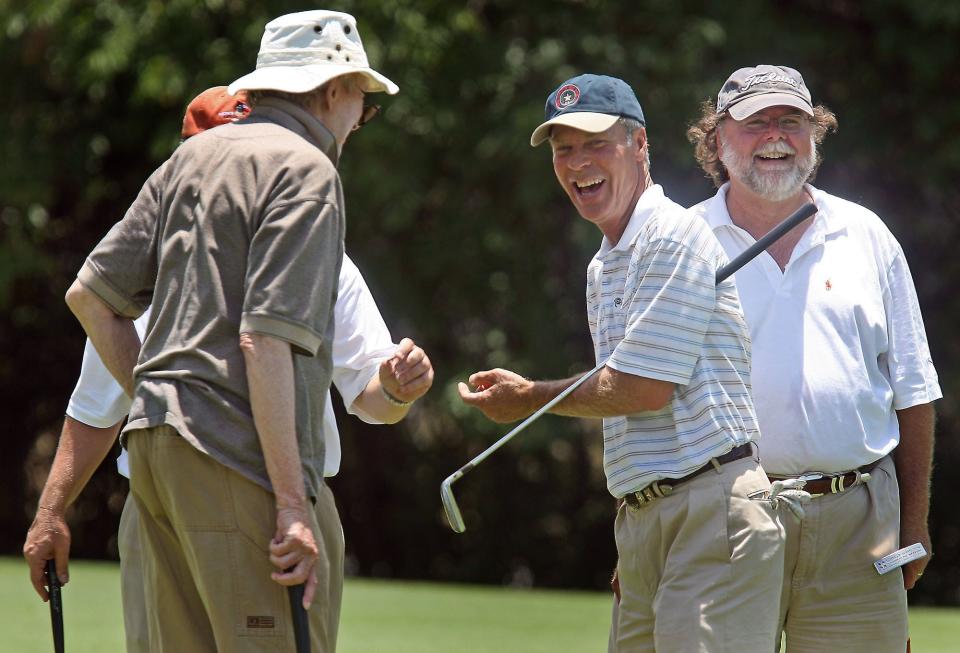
x: 370, y: 111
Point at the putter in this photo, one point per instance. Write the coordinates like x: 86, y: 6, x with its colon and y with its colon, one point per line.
x: 56, y: 605
x: 301, y: 627
x: 450, y: 507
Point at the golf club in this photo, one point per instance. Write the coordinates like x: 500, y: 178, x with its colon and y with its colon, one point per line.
x: 454, y: 516
x: 56, y: 605
x: 301, y: 627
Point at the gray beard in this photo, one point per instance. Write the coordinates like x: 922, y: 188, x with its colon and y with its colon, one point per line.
x: 772, y: 186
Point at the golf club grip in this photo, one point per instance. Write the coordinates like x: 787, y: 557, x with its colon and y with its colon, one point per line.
x: 56, y: 605
x: 301, y: 626
x: 770, y: 238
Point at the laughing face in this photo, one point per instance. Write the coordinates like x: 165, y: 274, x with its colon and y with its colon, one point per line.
x: 601, y: 173
x: 771, y: 152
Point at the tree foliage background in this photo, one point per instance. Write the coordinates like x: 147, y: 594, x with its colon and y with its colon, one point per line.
x: 462, y: 233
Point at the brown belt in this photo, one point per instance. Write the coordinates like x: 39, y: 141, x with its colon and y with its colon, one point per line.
x: 818, y: 484
x: 659, y: 489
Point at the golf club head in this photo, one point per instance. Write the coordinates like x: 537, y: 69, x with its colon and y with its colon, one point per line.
x: 454, y: 518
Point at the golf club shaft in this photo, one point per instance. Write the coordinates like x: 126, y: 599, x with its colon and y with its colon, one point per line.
x: 301, y: 626
x: 56, y: 605
x: 768, y: 239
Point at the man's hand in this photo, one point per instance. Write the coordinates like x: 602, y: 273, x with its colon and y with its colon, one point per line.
x: 408, y: 374
x: 47, y: 539
x: 294, y: 551
x: 910, y: 534
x: 503, y: 396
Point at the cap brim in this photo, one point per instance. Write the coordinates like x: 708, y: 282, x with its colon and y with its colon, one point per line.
x: 582, y: 120
x: 751, y: 105
x: 302, y: 79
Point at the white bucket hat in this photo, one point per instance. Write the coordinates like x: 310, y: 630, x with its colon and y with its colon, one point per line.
x: 302, y: 51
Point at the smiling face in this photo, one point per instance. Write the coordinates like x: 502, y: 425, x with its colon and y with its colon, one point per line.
x: 770, y: 153
x: 602, y: 173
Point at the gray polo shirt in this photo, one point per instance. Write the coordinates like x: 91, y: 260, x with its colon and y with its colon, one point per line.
x: 241, y: 230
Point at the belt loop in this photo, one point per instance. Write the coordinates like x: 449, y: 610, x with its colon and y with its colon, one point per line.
x: 716, y: 465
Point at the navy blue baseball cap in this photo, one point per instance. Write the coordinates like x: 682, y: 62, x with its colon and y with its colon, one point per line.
x: 591, y: 103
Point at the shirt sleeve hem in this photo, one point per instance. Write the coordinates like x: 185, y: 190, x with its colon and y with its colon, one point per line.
x: 918, y: 398
x: 304, y: 340
x: 649, y: 372
x: 117, y: 301
x: 90, y: 419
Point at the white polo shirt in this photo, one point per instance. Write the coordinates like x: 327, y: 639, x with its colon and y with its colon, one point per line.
x: 655, y: 311
x: 838, y: 339
x: 361, y: 342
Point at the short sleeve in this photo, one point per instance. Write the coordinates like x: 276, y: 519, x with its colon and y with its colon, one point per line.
x: 671, y: 301
x: 911, y: 371
x: 291, y: 273
x: 122, y: 269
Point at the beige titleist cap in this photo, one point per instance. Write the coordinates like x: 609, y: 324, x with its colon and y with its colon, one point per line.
x: 302, y: 51
x: 749, y: 90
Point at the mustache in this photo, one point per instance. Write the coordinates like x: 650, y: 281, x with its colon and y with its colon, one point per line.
x: 776, y: 147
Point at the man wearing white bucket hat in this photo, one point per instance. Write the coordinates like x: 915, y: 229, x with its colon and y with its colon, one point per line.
x: 238, y: 240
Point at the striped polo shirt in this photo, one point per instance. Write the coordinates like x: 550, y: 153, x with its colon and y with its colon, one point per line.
x: 654, y: 311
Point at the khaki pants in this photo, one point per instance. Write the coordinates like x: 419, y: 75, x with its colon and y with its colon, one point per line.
x: 203, y: 534
x: 833, y: 598
x: 131, y: 579
x: 700, y: 569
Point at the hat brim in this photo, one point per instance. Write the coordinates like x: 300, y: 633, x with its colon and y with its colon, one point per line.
x: 302, y: 79
x: 583, y: 120
x: 748, y: 107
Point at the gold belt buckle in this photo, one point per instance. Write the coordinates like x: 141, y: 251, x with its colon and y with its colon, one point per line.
x: 649, y: 494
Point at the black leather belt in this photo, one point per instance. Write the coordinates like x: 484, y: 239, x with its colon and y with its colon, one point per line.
x: 659, y: 489
x: 818, y: 484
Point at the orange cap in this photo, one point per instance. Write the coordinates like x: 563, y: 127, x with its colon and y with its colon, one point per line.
x: 211, y: 108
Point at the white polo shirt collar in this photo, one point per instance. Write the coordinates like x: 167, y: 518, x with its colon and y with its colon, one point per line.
x: 650, y: 200
x: 825, y: 223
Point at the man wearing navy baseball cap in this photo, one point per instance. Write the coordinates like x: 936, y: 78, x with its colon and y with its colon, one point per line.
x: 700, y: 562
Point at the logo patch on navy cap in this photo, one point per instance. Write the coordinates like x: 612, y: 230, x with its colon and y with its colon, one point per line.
x: 567, y: 96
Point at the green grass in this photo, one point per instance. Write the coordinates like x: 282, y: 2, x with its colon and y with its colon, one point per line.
x: 379, y: 616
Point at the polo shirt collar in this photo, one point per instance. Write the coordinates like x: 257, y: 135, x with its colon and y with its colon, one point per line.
x: 825, y: 223
x: 647, y: 205
x: 300, y: 121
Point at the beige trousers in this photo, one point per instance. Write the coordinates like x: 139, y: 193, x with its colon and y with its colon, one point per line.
x: 833, y: 598
x: 203, y: 535
x: 131, y: 579
x: 700, y: 569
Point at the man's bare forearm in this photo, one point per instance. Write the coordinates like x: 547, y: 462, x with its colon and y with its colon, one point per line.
x: 505, y: 396
x: 914, y: 459
x: 373, y: 402
x: 607, y: 393
x: 81, y: 450
x: 114, y: 337
x: 269, y: 363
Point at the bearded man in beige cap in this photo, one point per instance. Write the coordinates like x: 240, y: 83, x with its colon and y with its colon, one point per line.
x: 238, y: 241
x: 843, y: 381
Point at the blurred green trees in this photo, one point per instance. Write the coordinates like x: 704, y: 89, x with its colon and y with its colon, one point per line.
x: 463, y: 234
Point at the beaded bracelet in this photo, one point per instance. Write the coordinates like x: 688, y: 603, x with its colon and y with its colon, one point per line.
x: 393, y: 400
